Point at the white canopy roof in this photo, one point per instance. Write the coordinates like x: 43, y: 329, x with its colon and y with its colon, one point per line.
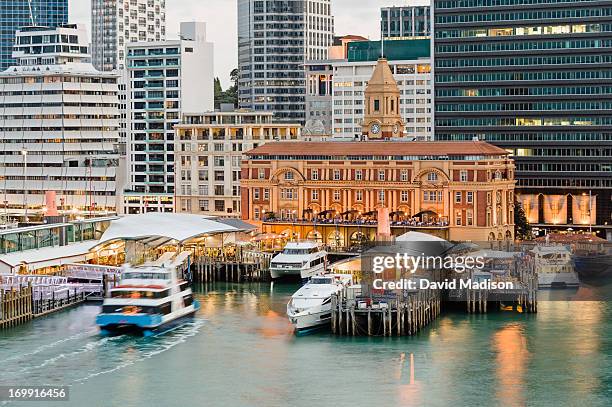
x: 418, y: 237
x: 163, y: 226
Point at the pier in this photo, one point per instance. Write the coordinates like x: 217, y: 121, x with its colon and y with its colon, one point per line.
x: 22, y: 304
x: 243, y: 266
x: 355, y: 314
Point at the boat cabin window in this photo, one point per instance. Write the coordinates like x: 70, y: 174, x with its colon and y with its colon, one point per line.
x: 301, y: 251
x: 143, y: 275
x: 139, y: 294
x: 133, y: 309
x: 321, y: 280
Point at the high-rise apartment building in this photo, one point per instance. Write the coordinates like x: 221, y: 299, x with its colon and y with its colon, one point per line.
x: 58, y: 126
x: 209, y: 148
x: 406, y: 22
x: 275, y: 38
x: 166, y: 79
x: 15, y: 14
x: 115, y: 23
x: 533, y: 77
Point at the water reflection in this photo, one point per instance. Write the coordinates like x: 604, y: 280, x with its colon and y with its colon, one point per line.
x: 511, y: 363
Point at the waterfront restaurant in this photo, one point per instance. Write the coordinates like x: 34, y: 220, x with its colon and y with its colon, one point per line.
x: 331, y: 192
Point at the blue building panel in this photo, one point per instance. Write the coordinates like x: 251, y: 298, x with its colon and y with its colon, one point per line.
x: 15, y: 14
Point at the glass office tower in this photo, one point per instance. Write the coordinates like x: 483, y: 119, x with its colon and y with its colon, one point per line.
x: 533, y: 77
x: 275, y: 39
x: 15, y: 14
x: 405, y: 22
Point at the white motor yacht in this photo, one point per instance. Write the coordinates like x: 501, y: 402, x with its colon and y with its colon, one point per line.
x: 310, y: 306
x: 554, y: 266
x: 302, y: 259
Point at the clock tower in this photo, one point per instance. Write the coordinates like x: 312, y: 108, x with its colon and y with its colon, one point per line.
x: 382, y: 119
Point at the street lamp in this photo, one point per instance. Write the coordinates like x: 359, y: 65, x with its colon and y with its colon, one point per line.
x: 590, y: 209
x: 24, y: 152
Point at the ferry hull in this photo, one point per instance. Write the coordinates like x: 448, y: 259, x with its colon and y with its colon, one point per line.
x: 558, y: 280
x: 594, y: 270
x: 141, y: 323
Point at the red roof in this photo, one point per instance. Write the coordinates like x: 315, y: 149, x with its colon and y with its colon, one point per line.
x: 378, y: 148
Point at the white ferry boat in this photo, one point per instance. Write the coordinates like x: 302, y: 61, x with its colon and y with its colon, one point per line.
x: 148, y: 299
x: 554, y: 266
x: 301, y: 259
x: 310, y: 306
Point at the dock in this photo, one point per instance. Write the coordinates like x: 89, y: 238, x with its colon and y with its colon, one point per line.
x: 355, y: 314
x: 22, y: 304
x: 242, y: 266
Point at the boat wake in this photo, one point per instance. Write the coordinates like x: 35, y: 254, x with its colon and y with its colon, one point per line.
x: 66, y: 361
x: 161, y: 343
x: 43, y: 348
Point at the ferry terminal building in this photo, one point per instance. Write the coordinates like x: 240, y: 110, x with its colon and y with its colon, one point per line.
x: 331, y: 191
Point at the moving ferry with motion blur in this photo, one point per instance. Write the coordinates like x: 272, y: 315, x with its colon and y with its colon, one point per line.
x: 148, y: 299
x: 310, y: 306
x: 300, y: 259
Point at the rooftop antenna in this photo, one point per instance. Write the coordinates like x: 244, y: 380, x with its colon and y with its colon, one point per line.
x: 31, y: 14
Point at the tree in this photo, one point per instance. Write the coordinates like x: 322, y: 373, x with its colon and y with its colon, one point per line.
x: 231, y: 94
x: 522, y: 228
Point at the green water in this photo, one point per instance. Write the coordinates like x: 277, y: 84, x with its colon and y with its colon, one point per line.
x: 240, y: 351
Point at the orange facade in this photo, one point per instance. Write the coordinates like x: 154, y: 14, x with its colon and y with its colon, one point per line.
x: 463, y: 190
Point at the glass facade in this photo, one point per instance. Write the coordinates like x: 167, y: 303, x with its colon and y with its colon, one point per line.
x: 405, y: 22
x: 533, y: 77
x: 15, y: 14
x: 395, y: 50
x: 275, y: 39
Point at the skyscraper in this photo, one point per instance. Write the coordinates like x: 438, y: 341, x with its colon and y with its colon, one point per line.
x: 406, y: 22
x: 533, y: 77
x: 115, y: 23
x: 15, y: 14
x: 275, y: 38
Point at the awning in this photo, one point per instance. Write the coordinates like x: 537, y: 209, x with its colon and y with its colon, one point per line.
x: 48, y: 256
x: 157, y: 228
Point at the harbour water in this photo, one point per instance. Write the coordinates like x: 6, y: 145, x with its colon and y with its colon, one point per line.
x: 240, y: 351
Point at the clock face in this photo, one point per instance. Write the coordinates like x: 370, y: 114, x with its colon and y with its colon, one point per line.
x: 375, y: 128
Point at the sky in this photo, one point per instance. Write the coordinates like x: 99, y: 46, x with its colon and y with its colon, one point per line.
x: 359, y: 17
